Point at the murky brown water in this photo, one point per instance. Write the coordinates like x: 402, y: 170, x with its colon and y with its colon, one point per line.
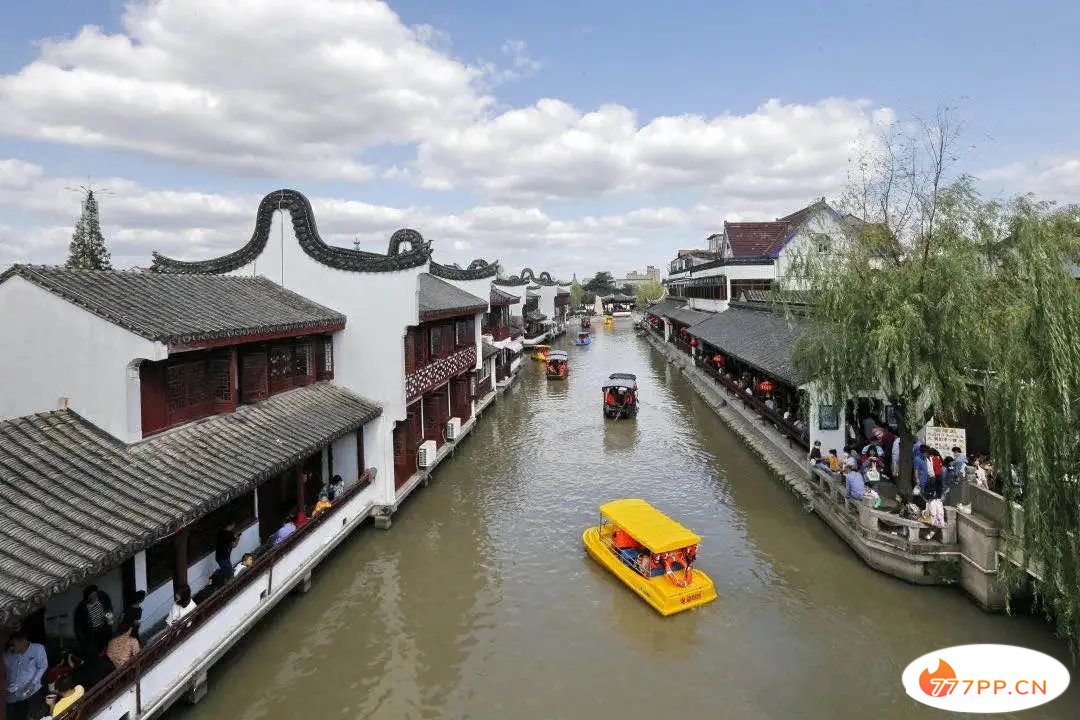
x: 481, y: 603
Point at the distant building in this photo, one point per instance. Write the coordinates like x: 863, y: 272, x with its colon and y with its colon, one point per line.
x: 652, y: 274
x: 749, y: 256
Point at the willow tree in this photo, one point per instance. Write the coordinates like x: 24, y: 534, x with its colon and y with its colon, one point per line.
x: 897, y: 309
x: 647, y: 292
x: 1033, y: 402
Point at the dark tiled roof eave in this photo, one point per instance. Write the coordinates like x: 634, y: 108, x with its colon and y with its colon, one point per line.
x: 498, y: 297
x: 437, y: 298
x: 757, y: 336
x: 178, y: 310
x: 407, y: 248
x: 488, y: 350
x: 75, y: 502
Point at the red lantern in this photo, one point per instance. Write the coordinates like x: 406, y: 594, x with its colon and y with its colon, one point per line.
x: 766, y: 386
x: 693, y: 342
x: 718, y: 359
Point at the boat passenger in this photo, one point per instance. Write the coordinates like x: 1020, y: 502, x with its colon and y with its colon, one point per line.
x: 609, y: 397
x: 623, y: 541
x: 628, y: 399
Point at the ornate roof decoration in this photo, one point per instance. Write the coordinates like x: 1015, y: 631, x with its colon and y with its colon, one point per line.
x: 527, y: 276
x: 183, y: 309
x: 478, y: 270
x: 407, y: 249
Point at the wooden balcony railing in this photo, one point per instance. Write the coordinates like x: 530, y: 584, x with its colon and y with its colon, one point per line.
x: 483, y: 388
x: 130, y: 675
x: 800, y: 436
x: 439, y: 371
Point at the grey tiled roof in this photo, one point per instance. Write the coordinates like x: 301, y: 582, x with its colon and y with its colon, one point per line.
x: 181, y: 308
x: 680, y: 313
x: 75, y: 502
x: 438, y: 297
x: 535, y: 316
x: 498, y: 297
x: 489, y: 350
x: 759, y: 337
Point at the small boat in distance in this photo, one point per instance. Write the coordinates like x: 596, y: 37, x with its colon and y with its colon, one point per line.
x: 558, y: 365
x: 620, y: 396
x: 609, y: 321
x: 651, y: 554
x: 540, y: 352
x: 583, y: 338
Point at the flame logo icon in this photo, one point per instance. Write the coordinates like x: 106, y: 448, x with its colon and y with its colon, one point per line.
x: 939, y: 683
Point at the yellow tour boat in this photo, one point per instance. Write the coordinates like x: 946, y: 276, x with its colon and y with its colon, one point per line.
x: 609, y: 321
x: 540, y: 352
x: 651, y: 553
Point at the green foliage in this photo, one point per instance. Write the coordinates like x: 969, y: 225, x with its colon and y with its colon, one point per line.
x: 88, y: 251
x: 603, y: 283
x: 647, y: 292
x: 909, y: 325
x: 577, y: 294
x: 1033, y: 402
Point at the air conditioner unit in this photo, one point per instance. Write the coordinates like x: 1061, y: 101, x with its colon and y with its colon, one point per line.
x: 425, y: 455
x: 453, y: 429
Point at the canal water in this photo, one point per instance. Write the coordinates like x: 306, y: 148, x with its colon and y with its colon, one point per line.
x: 480, y: 602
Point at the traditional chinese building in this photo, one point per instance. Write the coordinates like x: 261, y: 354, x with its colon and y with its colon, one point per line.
x: 162, y: 407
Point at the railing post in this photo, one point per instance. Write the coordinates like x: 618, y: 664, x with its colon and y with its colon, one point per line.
x: 138, y: 686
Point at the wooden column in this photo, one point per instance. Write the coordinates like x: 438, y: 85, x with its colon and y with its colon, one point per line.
x: 180, y: 559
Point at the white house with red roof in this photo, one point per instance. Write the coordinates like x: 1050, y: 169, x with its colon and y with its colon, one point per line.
x: 753, y: 255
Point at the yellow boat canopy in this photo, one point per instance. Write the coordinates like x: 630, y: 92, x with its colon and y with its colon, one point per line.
x: 648, y: 526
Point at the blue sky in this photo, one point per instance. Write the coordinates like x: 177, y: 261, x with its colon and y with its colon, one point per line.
x: 547, y: 134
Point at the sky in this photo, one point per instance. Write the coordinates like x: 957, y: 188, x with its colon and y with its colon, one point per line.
x: 563, y: 136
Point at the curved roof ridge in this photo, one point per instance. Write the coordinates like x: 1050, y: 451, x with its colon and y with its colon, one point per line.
x: 418, y: 250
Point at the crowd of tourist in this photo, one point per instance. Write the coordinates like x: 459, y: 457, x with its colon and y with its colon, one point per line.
x: 876, y: 459
x: 105, y: 642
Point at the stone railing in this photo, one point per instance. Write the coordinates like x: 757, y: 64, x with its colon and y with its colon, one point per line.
x: 439, y: 371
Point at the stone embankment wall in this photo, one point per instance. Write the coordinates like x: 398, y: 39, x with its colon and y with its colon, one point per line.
x: 965, y: 551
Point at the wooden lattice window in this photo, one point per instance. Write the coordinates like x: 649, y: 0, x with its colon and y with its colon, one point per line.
x: 282, y: 367
x: 223, y: 379
x: 187, y: 391
x: 463, y: 334
x: 304, y: 364
x: 439, y: 339
x: 253, y: 380
x: 324, y: 359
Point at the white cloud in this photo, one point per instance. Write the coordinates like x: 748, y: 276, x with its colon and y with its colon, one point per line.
x: 1055, y: 177
x: 271, y: 88
x: 553, y: 150
x: 282, y: 89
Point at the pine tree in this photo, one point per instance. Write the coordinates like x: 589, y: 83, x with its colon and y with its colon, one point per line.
x: 88, y: 251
